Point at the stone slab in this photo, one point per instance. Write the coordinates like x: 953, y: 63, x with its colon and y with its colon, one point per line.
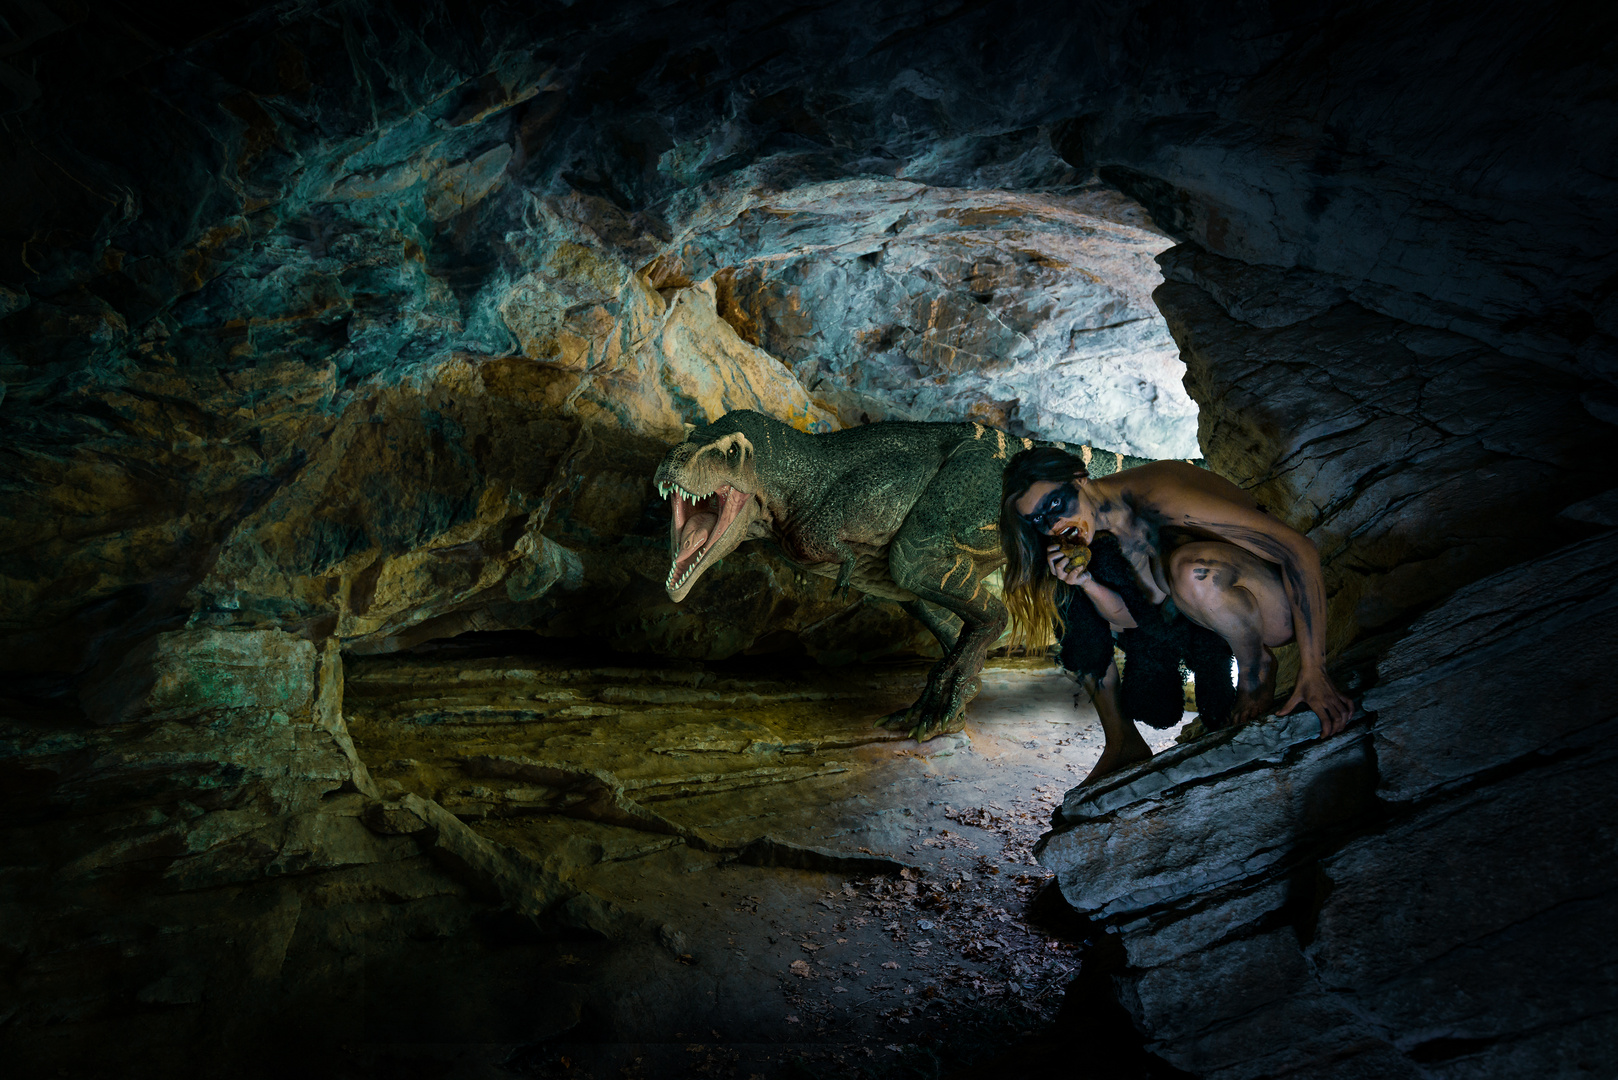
x: 1485, y: 917
x: 1267, y: 740
x: 1505, y: 668
x: 1219, y: 829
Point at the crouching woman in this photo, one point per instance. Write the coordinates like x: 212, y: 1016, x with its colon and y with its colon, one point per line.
x: 1181, y: 565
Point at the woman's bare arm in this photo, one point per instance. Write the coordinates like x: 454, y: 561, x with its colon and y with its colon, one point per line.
x: 1108, y: 603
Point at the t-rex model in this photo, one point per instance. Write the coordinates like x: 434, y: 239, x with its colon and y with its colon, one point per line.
x: 904, y: 511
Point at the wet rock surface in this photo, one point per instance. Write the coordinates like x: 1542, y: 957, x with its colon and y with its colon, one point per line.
x: 1391, y: 898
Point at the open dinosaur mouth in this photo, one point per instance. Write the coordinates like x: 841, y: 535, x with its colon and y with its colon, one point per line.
x: 699, y: 522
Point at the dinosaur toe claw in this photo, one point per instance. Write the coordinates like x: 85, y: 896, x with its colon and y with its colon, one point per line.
x: 895, y: 721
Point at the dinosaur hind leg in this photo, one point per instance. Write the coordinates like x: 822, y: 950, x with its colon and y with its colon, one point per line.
x: 945, y: 627
x: 939, y: 554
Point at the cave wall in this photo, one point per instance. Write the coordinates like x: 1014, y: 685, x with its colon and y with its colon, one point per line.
x: 228, y: 235
x: 229, y: 242
x: 894, y: 300
x: 1410, y: 899
x: 350, y: 326
x: 1417, y: 459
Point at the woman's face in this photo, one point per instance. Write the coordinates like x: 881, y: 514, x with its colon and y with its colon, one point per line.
x: 1055, y: 509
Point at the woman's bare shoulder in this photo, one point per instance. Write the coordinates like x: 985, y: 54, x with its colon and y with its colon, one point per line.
x: 1166, y: 485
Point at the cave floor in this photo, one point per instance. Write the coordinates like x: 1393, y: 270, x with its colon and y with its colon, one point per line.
x: 887, y: 924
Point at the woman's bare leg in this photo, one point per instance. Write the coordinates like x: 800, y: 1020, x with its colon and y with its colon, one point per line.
x: 1124, y: 743
x: 1240, y: 597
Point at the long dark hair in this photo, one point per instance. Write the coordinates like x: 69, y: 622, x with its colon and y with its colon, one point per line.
x: 1033, y: 594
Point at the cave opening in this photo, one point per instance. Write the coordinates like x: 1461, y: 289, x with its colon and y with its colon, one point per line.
x: 718, y: 777
x: 349, y: 725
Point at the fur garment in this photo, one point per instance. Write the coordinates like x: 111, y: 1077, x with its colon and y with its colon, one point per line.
x: 1153, y: 650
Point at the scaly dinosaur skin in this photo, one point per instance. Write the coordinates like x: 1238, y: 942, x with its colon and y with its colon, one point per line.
x: 905, y: 511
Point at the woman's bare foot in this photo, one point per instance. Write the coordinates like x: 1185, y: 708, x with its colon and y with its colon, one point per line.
x: 1124, y: 746
x: 1255, y: 691
x: 1116, y: 757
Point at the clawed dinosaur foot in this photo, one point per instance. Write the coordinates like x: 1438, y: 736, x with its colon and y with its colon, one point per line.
x: 936, y: 712
x: 921, y: 730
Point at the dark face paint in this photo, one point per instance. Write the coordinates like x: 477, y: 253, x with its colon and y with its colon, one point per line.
x: 1058, y: 504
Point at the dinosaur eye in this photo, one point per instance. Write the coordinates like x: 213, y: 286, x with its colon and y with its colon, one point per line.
x: 734, y: 453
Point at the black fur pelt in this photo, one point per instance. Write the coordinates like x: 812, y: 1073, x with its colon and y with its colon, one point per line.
x: 1162, y: 638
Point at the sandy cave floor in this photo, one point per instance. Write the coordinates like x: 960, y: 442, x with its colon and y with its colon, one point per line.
x: 721, y: 968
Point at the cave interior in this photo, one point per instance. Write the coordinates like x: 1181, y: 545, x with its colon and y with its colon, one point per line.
x: 348, y: 728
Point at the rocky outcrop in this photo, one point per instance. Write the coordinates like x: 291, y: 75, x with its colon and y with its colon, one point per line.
x: 892, y: 300
x: 1418, y: 459
x: 1290, y: 907
x: 1421, y: 896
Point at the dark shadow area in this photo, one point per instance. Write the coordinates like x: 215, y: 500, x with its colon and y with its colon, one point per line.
x: 1092, y: 1037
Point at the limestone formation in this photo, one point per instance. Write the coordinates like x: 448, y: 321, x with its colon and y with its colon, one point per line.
x: 893, y: 300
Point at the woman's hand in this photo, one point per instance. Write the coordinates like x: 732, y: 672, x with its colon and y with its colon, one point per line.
x: 1062, y: 567
x: 1315, y: 691
x: 1109, y: 604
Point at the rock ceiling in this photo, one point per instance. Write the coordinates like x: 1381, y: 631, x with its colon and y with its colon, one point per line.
x: 894, y: 300
x: 246, y: 280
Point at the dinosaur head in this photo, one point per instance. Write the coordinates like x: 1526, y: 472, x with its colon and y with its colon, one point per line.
x: 711, y: 482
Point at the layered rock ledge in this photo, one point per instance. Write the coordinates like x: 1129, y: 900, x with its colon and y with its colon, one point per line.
x: 1424, y: 895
